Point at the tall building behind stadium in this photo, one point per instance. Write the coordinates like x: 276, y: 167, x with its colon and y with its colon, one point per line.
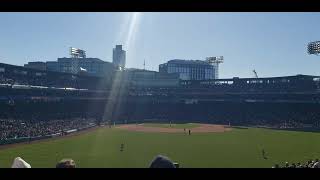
x: 193, y: 69
x: 119, y: 57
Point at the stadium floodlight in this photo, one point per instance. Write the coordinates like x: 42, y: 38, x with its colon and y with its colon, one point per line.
x: 314, y: 48
x: 218, y: 59
x: 215, y: 61
x: 77, y: 53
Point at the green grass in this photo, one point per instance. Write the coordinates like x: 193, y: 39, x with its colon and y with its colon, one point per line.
x: 237, y: 148
x: 177, y: 126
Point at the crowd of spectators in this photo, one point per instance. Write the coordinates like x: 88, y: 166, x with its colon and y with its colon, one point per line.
x: 309, y: 164
x: 4, y: 80
x: 13, y: 128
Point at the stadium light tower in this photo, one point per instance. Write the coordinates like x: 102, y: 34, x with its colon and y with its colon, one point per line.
x: 77, y: 53
x: 314, y: 48
x: 215, y: 61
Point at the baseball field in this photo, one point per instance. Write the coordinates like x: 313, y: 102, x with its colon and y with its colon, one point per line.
x: 206, y: 146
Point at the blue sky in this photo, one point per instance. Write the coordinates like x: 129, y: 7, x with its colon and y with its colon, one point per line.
x: 274, y: 44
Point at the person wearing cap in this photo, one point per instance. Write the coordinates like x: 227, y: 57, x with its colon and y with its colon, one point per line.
x: 162, y: 162
x: 66, y: 163
x: 18, y: 162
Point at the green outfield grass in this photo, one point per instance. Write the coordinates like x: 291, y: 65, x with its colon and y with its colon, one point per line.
x: 177, y: 126
x: 237, y: 148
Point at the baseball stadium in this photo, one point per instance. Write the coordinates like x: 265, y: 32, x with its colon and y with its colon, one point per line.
x: 238, y: 122
x: 88, y: 113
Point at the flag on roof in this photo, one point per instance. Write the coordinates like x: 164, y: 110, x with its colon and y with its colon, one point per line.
x: 83, y: 69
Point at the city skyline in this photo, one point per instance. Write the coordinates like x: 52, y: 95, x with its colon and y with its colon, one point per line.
x: 274, y: 44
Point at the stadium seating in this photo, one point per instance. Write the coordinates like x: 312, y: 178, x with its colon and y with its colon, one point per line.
x: 47, y: 101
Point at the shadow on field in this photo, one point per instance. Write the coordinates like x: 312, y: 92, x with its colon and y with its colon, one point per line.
x: 238, y: 127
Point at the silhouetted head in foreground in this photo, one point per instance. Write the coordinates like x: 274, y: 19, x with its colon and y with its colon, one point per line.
x: 66, y: 163
x: 162, y: 162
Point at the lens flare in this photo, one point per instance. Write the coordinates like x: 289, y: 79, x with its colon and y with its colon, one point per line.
x: 128, y: 32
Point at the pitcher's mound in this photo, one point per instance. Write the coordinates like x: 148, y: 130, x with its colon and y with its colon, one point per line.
x: 202, y: 128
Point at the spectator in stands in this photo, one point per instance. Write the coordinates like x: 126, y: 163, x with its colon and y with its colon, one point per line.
x: 162, y: 162
x: 20, y: 163
x: 308, y: 164
x: 66, y: 163
x: 299, y: 165
x: 316, y: 165
x: 287, y: 165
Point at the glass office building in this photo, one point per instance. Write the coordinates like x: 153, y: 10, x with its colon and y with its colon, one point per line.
x: 189, y: 69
